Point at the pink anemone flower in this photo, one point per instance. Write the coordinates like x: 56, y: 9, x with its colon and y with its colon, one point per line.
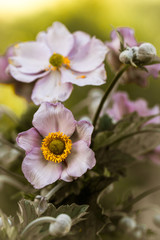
x: 58, y: 59
x: 57, y: 147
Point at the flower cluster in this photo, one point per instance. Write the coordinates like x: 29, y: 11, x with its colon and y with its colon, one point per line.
x: 54, y: 147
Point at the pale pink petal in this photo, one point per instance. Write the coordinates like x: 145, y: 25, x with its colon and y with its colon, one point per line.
x: 96, y: 77
x: 53, y: 118
x: 64, y: 176
x: 80, y: 43
x: 51, y: 89
x: 80, y: 159
x: 29, y: 139
x: 24, y: 77
x: 31, y: 57
x: 38, y: 171
x: 90, y: 57
x: 83, y: 132
x: 128, y: 36
x: 58, y: 38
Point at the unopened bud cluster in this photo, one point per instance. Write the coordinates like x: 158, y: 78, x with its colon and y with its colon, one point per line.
x: 138, y: 55
x: 131, y: 228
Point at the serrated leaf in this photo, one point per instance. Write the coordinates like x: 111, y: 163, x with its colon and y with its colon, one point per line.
x: 141, y: 142
x: 128, y: 125
x: 27, y: 212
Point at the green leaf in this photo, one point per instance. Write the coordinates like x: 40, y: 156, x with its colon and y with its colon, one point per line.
x: 115, y: 160
x: 141, y: 142
x: 105, y: 123
x: 112, y: 198
x: 127, y: 126
x: 8, y: 231
x: 27, y: 212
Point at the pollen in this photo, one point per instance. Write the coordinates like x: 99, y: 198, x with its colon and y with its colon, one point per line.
x: 82, y: 76
x: 56, y: 147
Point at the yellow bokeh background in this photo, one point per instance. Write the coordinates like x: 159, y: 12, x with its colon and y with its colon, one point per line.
x: 21, y: 20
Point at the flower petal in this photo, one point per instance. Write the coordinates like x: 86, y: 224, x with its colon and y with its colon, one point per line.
x: 80, y: 41
x: 65, y: 177
x: 29, y: 139
x: 53, y: 118
x: 96, y: 77
x: 83, y: 132
x: 80, y: 159
x: 89, y: 56
x: 128, y: 36
x: 50, y: 89
x: 58, y: 38
x: 31, y: 57
x: 38, y: 171
x: 24, y: 77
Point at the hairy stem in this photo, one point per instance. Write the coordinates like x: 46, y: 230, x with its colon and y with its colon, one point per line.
x: 54, y: 190
x: 109, y: 89
x: 36, y: 222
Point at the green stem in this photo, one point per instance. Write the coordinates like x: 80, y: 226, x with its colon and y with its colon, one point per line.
x: 109, y: 89
x: 140, y: 197
x: 54, y: 190
x: 35, y: 223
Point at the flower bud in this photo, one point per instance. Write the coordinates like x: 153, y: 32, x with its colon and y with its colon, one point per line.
x: 137, y: 234
x: 156, y: 220
x: 127, y: 224
x: 146, y: 52
x: 126, y: 56
x: 61, y: 226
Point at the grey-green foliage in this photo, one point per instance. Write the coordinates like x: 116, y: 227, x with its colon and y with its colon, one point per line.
x: 29, y: 212
x: 130, y: 132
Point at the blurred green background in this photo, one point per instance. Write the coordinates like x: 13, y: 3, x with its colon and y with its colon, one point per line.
x: 22, y: 20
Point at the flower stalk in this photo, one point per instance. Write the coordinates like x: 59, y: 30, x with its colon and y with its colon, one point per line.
x: 54, y: 190
x: 140, y: 197
x: 36, y: 222
x: 108, y: 91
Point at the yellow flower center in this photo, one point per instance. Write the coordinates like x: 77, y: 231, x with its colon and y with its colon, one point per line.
x: 57, y: 60
x: 56, y: 147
